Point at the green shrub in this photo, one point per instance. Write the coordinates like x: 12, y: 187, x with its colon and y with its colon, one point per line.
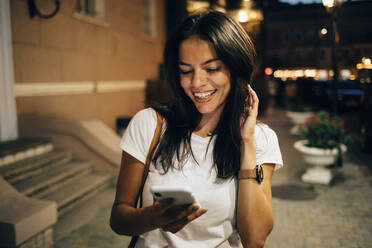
x: 324, y: 131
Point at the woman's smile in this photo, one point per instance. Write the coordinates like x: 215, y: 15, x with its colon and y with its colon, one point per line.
x: 204, y: 96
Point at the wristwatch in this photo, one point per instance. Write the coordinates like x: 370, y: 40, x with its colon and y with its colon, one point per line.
x: 256, y: 173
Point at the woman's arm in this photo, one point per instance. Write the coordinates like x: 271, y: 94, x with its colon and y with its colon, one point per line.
x: 255, y: 218
x: 126, y: 219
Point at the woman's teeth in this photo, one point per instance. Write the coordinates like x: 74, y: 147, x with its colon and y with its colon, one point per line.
x: 204, y: 95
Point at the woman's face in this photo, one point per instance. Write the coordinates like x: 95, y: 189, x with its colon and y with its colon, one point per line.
x: 203, y: 76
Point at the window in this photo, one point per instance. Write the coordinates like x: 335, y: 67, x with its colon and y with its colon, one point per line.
x: 298, y: 56
x: 92, y: 8
x: 310, y: 35
x: 322, y: 54
x: 346, y: 54
x: 286, y: 36
x: 357, y: 53
x: 298, y: 36
x: 310, y: 56
x: 149, y: 18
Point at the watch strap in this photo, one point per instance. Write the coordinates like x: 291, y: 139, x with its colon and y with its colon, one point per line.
x: 247, y: 174
x: 256, y: 173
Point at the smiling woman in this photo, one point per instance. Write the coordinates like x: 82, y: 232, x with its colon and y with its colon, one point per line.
x: 210, y: 143
x: 205, y: 79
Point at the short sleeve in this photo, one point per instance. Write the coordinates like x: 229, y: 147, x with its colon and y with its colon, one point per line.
x: 139, y: 133
x: 267, y: 145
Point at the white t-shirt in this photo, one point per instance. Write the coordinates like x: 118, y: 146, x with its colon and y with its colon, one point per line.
x: 217, y: 225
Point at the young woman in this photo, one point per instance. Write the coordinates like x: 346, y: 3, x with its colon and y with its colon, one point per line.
x: 211, y: 142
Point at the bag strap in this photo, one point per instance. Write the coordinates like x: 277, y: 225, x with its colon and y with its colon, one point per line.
x: 154, y: 142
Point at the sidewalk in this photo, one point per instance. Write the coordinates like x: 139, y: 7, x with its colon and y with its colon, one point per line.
x: 339, y: 215
x: 306, y: 215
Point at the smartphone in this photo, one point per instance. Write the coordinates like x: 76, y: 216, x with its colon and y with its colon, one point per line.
x: 181, y: 195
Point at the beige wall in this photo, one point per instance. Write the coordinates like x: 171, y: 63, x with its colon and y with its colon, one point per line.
x: 66, y: 49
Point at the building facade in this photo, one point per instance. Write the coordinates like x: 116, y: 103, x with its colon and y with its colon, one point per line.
x: 86, y: 62
x: 299, y: 37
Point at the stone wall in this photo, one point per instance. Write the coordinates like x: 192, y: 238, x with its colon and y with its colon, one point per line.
x: 43, y: 239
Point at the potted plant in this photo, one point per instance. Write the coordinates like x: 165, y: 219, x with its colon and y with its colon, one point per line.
x: 298, y: 117
x: 325, y: 140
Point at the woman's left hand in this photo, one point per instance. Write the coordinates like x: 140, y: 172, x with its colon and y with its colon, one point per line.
x: 248, y: 126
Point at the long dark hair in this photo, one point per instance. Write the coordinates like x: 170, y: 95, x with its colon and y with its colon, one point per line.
x: 235, y: 49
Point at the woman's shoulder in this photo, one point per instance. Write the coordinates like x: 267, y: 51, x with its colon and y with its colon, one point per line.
x: 264, y: 135
x: 143, y: 121
x: 267, y: 145
x: 138, y: 134
x: 145, y: 114
x: 262, y: 128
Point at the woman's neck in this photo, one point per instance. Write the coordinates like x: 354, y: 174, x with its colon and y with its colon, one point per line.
x: 207, y: 124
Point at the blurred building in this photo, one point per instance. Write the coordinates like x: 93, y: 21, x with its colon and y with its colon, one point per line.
x: 91, y: 60
x: 298, y: 37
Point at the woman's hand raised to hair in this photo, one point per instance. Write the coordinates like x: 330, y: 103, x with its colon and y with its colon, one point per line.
x: 166, y: 216
x: 248, y: 126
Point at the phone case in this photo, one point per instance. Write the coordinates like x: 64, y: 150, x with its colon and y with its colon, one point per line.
x: 180, y: 194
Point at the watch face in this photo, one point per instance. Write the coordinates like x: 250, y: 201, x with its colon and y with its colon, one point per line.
x: 259, y: 173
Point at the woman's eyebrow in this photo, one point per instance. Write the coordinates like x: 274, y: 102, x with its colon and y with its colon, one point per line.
x: 204, y: 63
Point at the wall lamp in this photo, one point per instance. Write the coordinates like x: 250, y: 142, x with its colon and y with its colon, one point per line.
x: 34, y: 11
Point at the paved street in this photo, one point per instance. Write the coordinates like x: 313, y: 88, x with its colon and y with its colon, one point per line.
x: 306, y: 215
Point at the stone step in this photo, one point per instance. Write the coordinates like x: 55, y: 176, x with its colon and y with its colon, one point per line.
x: 84, y: 213
x: 52, y: 177
x: 20, y: 149
x: 30, y: 167
x: 79, y: 191
x: 61, y: 184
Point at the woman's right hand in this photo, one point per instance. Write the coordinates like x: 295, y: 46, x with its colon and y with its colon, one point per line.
x: 172, y: 218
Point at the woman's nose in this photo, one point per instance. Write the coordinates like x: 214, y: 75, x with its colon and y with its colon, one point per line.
x: 198, y: 78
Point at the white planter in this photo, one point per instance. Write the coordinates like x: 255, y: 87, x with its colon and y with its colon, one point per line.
x: 319, y: 158
x: 298, y: 118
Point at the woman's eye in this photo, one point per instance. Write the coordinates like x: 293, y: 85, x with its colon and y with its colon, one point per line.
x: 185, y: 72
x: 213, y: 69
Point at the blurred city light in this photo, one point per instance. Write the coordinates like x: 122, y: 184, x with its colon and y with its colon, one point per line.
x: 323, y: 31
x: 331, y: 3
x: 197, y: 5
x: 367, y: 61
x: 243, y: 16
x: 345, y: 74
x: 317, y: 74
x: 365, y: 64
x: 328, y: 3
x: 268, y: 71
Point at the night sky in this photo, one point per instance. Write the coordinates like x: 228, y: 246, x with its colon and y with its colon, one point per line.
x: 302, y: 1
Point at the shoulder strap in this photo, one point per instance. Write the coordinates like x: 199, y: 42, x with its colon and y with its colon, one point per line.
x: 154, y: 142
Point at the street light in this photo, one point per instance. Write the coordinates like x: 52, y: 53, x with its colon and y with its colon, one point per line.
x: 332, y: 8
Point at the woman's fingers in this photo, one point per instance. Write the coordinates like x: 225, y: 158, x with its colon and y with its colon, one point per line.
x: 163, y: 206
x: 250, y: 96
x: 191, y: 214
x: 178, y: 213
x: 158, y: 209
x: 253, y: 99
x: 173, y: 218
x: 249, y: 121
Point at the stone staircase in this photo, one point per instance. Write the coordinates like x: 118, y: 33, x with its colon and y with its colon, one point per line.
x: 54, y: 175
